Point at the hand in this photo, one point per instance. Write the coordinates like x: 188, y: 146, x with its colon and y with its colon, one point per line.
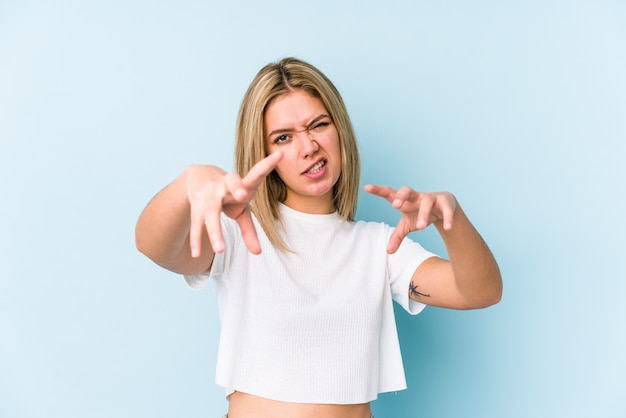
x: 418, y: 210
x: 211, y: 190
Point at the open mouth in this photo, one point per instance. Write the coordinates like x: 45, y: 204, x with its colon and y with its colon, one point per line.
x: 316, y: 167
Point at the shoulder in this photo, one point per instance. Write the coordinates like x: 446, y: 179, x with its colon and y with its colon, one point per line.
x: 371, y: 227
x: 365, y: 236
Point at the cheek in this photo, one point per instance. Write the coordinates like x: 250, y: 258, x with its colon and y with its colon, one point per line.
x: 336, y: 150
x: 283, y: 167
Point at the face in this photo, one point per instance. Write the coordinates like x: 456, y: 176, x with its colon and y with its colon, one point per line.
x: 299, y: 125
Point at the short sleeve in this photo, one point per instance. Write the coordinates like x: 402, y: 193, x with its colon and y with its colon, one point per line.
x: 197, y: 281
x: 401, y: 266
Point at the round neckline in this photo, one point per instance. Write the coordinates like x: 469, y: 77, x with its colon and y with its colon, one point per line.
x: 309, y: 217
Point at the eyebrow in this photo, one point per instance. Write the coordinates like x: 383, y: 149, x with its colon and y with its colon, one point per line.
x: 312, y: 122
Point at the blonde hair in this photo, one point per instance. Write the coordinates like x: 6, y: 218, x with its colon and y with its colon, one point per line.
x: 272, y: 81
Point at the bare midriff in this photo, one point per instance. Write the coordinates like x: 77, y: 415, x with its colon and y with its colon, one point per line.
x: 243, y: 405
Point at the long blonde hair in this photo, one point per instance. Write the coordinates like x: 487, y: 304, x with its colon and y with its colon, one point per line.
x: 272, y: 81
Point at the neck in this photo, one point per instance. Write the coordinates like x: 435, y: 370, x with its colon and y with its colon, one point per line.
x: 313, y: 205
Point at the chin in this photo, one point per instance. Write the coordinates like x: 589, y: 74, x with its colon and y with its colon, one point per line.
x: 321, y: 192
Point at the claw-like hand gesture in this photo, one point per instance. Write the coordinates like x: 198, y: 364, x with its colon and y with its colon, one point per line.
x: 211, y: 190
x: 418, y: 210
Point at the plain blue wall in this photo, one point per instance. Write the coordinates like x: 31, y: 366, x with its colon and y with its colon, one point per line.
x: 516, y: 107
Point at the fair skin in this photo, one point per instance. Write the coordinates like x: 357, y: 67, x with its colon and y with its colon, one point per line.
x: 298, y: 125
x: 180, y: 228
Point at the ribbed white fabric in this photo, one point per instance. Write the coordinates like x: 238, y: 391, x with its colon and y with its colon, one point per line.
x: 315, y: 325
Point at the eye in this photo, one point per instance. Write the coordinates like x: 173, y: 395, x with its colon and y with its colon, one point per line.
x: 320, y: 126
x: 280, y: 139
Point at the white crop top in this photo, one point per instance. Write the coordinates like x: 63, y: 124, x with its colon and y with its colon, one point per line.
x: 315, y: 325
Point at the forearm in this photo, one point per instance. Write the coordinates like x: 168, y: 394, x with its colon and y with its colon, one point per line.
x: 475, y: 270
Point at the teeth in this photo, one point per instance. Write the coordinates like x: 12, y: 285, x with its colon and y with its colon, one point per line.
x: 317, y: 167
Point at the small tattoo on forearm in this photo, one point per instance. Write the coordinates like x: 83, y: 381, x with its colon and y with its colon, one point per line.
x: 415, y: 293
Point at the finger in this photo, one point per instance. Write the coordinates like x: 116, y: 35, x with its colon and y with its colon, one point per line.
x: 262, y: 169
x: 447, y: 210
x: 385, y: 192
x: 235, y: 187
x: 195, y: 233
x: 248, y: 232
x: 425, y: 208
x: 402, y: 195
x: 396, y: 237
x: 213, y: 227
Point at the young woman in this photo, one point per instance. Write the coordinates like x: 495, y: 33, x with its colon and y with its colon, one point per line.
x: 305, y: 292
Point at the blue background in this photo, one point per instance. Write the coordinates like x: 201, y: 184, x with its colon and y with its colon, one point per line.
x: 516, y: 107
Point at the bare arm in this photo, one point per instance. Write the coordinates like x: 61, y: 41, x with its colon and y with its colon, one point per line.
x: 471, y: 278
x: 180, y: 228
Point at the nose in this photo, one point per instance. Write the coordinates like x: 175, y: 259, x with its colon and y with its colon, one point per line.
x: 308, y: 144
